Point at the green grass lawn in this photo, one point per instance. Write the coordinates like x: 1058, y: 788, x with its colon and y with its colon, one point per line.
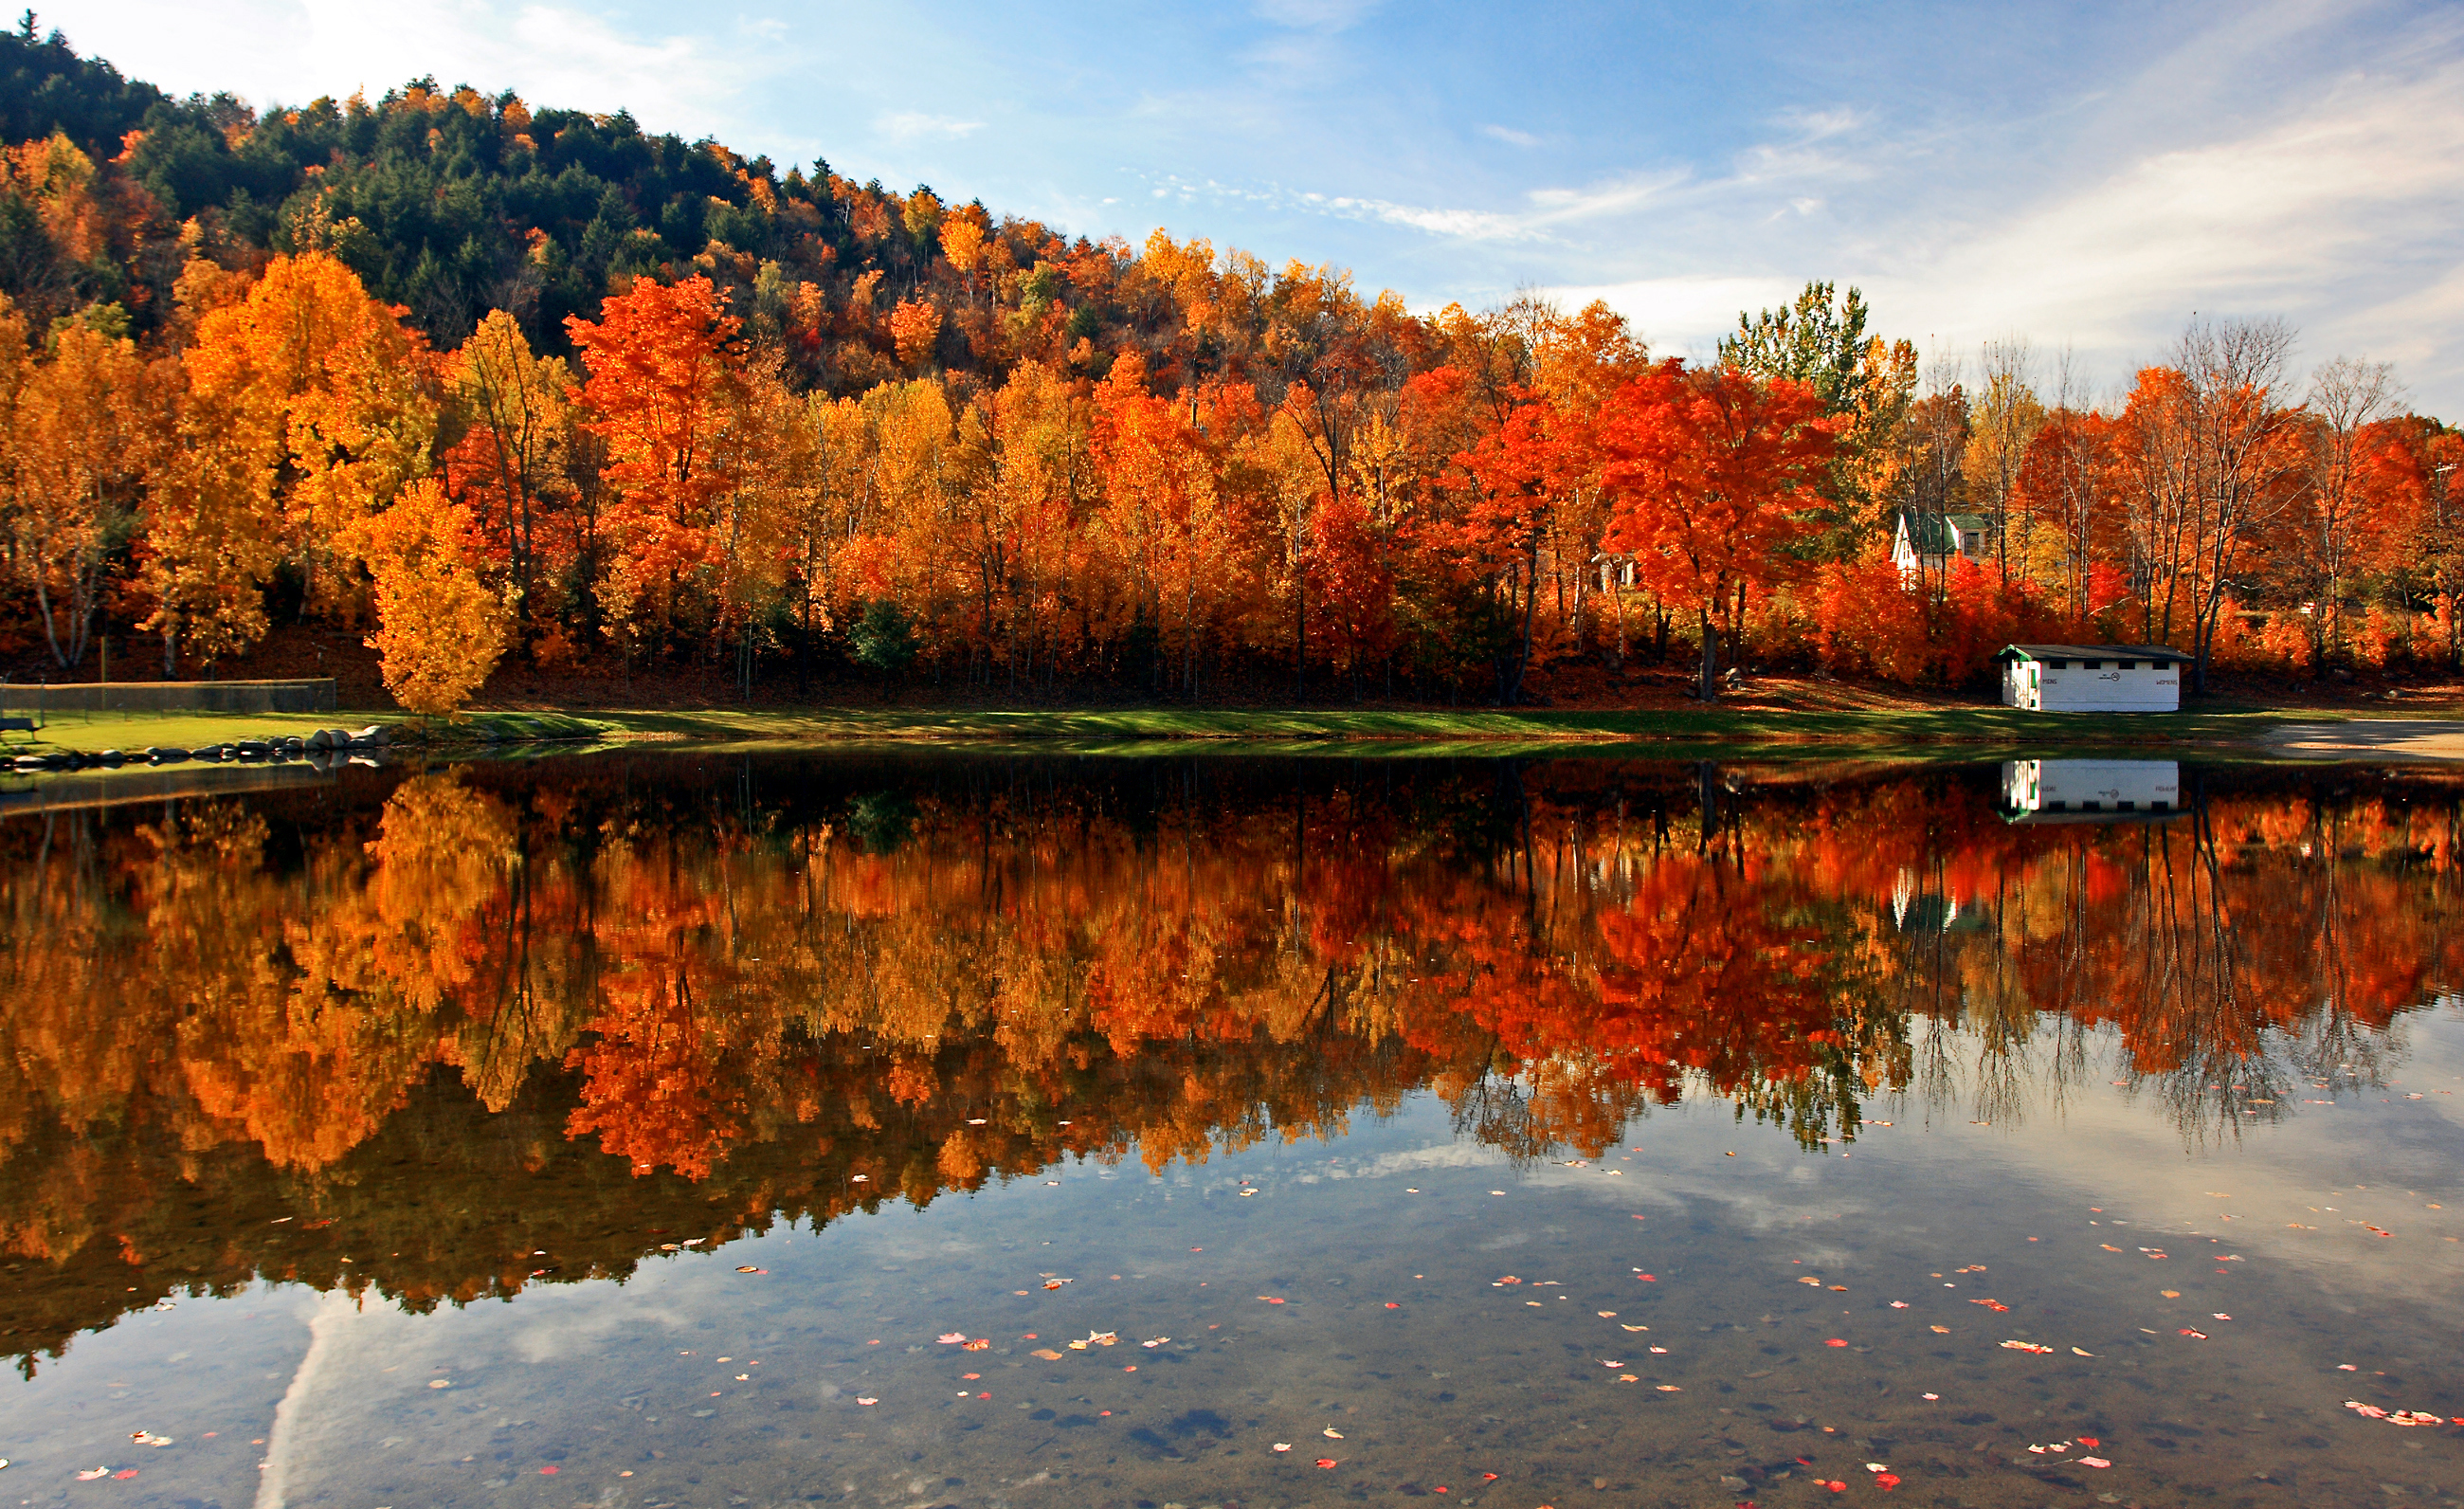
x: 1841, y: 729
x: 135, y: 731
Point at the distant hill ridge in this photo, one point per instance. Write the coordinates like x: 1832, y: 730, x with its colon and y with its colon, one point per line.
x: 451, y: 203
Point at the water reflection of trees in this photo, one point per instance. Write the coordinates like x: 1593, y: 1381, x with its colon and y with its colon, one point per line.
x: 447, y: 1021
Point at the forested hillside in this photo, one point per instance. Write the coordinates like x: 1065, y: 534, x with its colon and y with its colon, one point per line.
x: 494, y: 384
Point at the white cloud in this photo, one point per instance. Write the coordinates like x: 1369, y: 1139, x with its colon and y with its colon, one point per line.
x: 915, y: 125
x: 2342, y: 217
x: 1687, y: 315
x: 1511, y: 136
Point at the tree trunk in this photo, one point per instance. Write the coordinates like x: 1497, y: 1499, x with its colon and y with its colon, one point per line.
x: 1711, y: 672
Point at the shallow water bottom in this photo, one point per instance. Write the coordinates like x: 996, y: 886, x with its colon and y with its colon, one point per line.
x: 1706, y: 1314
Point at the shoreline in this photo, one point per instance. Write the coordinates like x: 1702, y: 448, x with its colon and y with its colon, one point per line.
x: 1912, y: 737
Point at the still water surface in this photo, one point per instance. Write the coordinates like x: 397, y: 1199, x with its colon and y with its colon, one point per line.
x: 766, y: 1130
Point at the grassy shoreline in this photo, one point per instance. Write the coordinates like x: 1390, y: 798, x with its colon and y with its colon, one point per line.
x: 1839, y: 730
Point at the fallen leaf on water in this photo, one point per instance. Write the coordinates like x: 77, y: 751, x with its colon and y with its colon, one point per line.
x: 750, y: 1269
x: 1899, y: 1304
x: 951, y: 1338
x: 1816, y: 1282
x: 1332, y: 1434
x: 979, y: 1345
x: 1605, y: 1315
x: 2196, y: 1336
x: 1932, y: 1396
x: 2108, y: 1247
x: 1886, y: 1481
x: 1392, y: 1305
x: 2221, y: 1315
x: 92, y: 1473
x: 1670, y: 1389
x: 549, y: 1471
x: 2089, y: 1441
x: 1623, y: 1326
x: 1612, y: 1365
x: 1660, y: 1350
x: 1157, y: 1342
x: 2094, y: 1461
x: 2170, y: 1293
x: 868, y: 1401
x: 1326, y: 1462
x: 2078, y: 1352
x: 1283, y: 1446
x: 1942, y: 1330
x: 440, y: 1383
x: 2024, y: 1346
x: 1835, y: 1342
x: 1488, y: 1478
x: 1046, y: 1353
x: 963, y: 1376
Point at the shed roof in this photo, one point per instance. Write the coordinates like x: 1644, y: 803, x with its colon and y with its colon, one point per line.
x: 2093, y: 652
x: 1938, y: 534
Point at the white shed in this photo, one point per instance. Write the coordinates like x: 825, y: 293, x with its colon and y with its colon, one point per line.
x: 2093, y: 679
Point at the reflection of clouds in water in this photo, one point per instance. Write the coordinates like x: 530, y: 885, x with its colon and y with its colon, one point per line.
x: 332, y: 1314
x: 571, y: 1330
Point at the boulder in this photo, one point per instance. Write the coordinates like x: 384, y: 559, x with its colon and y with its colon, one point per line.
x: 165, y: 754
x: 250, y: 748
x: 375, y: 734
x: 110, y: 759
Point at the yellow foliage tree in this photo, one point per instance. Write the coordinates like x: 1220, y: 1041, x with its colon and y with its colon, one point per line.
x: 439, y: 628
x: 82, y: 451
x: 322, y: 395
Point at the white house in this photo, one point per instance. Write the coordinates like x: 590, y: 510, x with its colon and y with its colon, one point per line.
x: 1928, y: 542
x: 2092, y: 678
x: 2089, y: 791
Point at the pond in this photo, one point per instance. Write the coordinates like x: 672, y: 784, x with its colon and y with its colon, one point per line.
x: 974, y: 1129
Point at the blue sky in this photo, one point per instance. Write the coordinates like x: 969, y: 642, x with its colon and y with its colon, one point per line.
x: 2085, y: 176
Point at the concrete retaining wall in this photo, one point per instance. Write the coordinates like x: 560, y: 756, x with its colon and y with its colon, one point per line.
x: 314, y: 696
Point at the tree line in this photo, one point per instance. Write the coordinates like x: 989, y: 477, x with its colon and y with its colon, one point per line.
x: 484, y: 384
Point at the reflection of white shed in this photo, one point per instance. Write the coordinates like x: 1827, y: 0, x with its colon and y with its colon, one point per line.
x: 2093, y: 679
x: 2089, y: 791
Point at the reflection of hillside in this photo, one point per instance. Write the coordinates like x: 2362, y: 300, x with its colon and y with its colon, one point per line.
x: 450, y: 1021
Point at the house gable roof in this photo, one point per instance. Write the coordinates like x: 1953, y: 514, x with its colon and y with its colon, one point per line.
x: 2093, y: 652
x: 1938, y: 534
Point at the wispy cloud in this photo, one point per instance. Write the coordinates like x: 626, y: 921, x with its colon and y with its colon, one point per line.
x: 916, y: 126
x: 1461, y: 224
x: 1509, y: 135
x: 1314, y: 15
